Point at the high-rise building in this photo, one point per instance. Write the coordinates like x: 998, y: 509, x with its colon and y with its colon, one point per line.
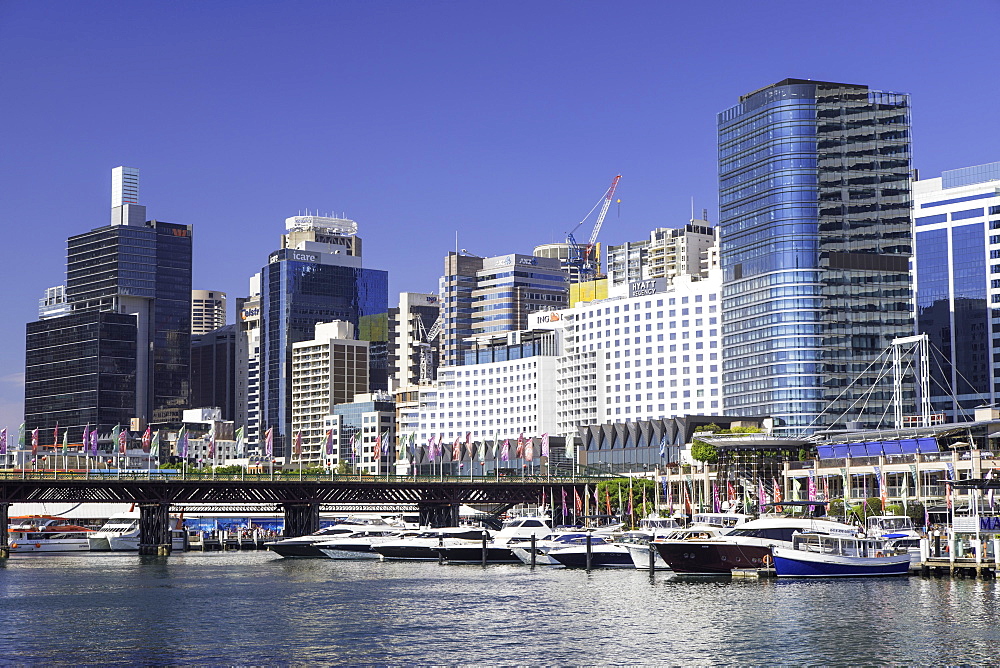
x: 213, y: 370
x: 328, y: 370
x: 815, y: 238
x: 668, y: 252
x: 137, y: 269
x: 316, y: 276
x: 957, y: 262
x: 455, y: 289
x: 208, y: 311
x: 413, y: 356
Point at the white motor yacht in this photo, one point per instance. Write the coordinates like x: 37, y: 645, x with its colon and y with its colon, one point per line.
x: 358, y: 544
x: 427, y: 545
x: 305, y: 546
x: 121, y: 534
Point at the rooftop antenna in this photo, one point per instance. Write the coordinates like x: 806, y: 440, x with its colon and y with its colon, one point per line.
x: 692, y: 208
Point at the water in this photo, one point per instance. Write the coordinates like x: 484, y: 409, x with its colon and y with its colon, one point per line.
x: 258, y: 609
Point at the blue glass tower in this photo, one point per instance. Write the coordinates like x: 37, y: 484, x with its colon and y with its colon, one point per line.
x: 957, y: 222
x: 815, y: 240
x: 308, y: 284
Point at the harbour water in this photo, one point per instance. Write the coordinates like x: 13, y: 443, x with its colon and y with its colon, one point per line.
x: 253, y: 608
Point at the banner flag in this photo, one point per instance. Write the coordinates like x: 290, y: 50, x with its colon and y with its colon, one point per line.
x: 147, y: 439
x: 545, y: 444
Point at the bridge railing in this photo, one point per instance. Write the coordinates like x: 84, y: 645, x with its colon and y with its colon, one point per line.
x: 284, y: 476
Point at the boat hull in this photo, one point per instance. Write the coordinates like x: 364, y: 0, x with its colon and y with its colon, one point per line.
x: 640, y: 558
x: 28, y: 546
x: 300, y: 550
x: 473, y: 554
x: 800, y: 564
x: 350, y: 552
x: 704, y: 558
x: 576, y: 558
x: 408, y: 552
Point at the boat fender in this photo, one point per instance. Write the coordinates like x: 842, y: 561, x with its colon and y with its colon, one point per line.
x: 13, y: 546
x: 879, y: 555
x: 38, y: 546
x: 768, y: 561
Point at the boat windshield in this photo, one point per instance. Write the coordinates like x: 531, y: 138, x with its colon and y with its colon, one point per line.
x: 886, y: 524
x: 839, y: 545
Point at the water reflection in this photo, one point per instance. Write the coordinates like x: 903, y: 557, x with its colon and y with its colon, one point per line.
x: 256, y: 608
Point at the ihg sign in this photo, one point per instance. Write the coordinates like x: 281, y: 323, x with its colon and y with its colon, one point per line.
x: 645, y: 288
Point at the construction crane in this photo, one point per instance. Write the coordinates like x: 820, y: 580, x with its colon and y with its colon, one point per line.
x: 425, y: 340
x: 582, y: 256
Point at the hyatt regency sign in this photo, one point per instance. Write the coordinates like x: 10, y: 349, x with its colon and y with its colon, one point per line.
x: 644, y: 288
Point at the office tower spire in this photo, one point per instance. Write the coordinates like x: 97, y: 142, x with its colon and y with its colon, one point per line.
x: 125, y: 207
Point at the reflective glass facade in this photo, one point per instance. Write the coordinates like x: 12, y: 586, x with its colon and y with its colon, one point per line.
x: 958, y: 286
x: 815, y: 246
x: 80, y: 369
x: 295, y: 295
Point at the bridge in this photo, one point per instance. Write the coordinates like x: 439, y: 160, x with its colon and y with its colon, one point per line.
x: 299, y: 497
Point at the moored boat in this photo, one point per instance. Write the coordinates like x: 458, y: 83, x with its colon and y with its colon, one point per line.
x: 46, y: 533
x: 814, y: 555
x: 745, y: 546
x: 426, y: 545
x: 305, y: 546
x: 121, y: 534
x: 358, y: 544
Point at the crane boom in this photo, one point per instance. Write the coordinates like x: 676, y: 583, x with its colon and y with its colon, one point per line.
x: 604, y: 211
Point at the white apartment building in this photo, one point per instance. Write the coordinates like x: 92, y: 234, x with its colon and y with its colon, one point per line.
x: 327, y: 371
x: 208, y: 311
x: 669, y: 252
x: 248, y: 406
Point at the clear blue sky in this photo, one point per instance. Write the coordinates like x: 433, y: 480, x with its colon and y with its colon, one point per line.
x: 504, y: 121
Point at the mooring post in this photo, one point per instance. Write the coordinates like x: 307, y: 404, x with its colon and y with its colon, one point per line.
x: 486, y: 540
x: 4, y: 521
x: 440, y: 548
x: 533, y: 553
x: 590, y: 553
x: 652, y: 557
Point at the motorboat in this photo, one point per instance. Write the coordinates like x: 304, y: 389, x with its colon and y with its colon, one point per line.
x: 514, y: 533
x: 899, y: 531
x: 703, y: 526
x: 745, y: 546
x: 46, y: 533
x: 552, y: 541
x: 305, y: 546
x: 602, y: 555
x: 427, y: 545
x: 818, y: 555
x: 358, y: 544
x: 121, y: 534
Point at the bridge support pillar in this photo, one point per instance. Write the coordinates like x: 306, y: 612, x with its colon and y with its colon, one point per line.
x: 154, y: 528
x: 436, y: 515
x: 4, y: 521
x: 301, y: 519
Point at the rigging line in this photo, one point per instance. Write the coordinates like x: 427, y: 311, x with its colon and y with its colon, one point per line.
x: 837, y: 398
x: 867, y: 395
x: 949, y: 389
x: 962, y: 376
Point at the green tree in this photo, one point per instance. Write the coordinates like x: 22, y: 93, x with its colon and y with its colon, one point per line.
x: 704, y: 452
x: 344, y: 467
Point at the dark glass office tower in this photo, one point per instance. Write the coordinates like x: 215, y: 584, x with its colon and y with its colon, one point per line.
x: 298, y: 290
x: 80, y: 369
x: 213, y: 370
x: 815, y: 238
x: 140, y: 272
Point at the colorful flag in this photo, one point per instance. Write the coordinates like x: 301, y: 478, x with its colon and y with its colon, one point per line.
x: 241, y: 443
x: 269, y: 442
x: 607, y: 499
x: 377, y: 448
x: 147, y: 439
x: 86, y: 437
x: 154, y: 445
x: 456, y: 451
x: 778, y: 495
x: 468, y: 446
x: 55, y: 437
x: 505, y: 451
x: 545, y: 444
x: 329, y: 442
x: 663, y: 446
x: 34, y: 441
x: 761, y: 495
x: 811, y: 488
x: 529, y: 449
x: 577, y: 502
x: 564, y: 508
x: 122, y: 440
x: 210, y: 441
x: 3, y: 441
x: 65, y: 443
x: 730, y: 491
x: 297, y: 447
x: 93, y: 441
x: 20, y: 436
x: 716, y: 504
x: 520, y: 446
x: 430, y: 447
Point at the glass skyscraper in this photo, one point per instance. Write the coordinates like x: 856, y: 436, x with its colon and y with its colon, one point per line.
x: 310, y: 283
x: 815, y: 241
x: 957, y: 222
x: 138, y: 273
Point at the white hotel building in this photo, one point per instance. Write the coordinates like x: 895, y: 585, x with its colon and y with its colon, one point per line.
x: 650, y: 354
